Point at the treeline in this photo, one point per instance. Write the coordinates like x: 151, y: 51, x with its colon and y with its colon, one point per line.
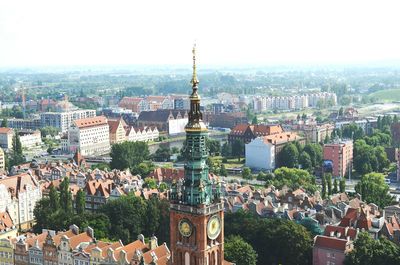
x: 294, y: 155
x: 123, y: 218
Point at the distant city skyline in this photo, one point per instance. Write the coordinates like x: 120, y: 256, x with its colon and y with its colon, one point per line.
x: 46, y: 33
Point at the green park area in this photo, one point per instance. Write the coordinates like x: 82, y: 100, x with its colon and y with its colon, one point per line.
x: 387, y: 95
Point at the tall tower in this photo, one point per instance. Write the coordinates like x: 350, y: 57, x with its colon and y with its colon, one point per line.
x: 196, y: 214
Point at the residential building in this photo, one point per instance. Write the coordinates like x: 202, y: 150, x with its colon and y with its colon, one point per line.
x: 166, y: 120
x: 142, y: 134
x: 340, y: 154
x: 395, y: 129
x: 6, y: 137
x: 97, y: 193
x: 63, y: 120
x: 18, y: 196
x: 245, y: 132
x: 73, y: 247
x: 297, y: 102
x: 117, y: 131
x: 137, y: 105
x: 160, y: 102
x: 330, y: 250
x: 30, y: 139
x: 181, y: 103
x: 6, y: 252
x: 262, y: 152
x: 33, y: 123
x: 91, y: 136
x: 317, y: 133
x: 2, y: 160
x: 226, y: 119
x: 7, y: 227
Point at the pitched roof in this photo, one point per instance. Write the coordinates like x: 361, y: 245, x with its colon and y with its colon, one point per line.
x: 160, y: 252
x: 18, y: 183
x: 91, y: 122
x: 5, y: 130
x: 330, y: 243
x: 114, y: 124
x: 160, y: 115
x: 283, y: 137
x: 6, y: 222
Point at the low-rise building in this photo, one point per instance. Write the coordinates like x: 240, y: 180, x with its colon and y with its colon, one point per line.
x: 143, y: 134
x: 330, y: 250
x: 166, y: 120
x: 30, y: 139
x: 7, y: 226
x: 226, y: 119
x: 18, y: 196
x: 117, y: 131
x: 340, y: 154
x: 32, y: 123
x: 6, y: 137
x: 262, y: 152
x: 91, y: 136
x: 6, y: 252
x: 245, y: 132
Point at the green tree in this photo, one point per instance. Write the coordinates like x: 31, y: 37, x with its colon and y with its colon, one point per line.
x: 305, y: 161
x: 246, y: 173
x: 223, y: 171
x: 42, y: 212
x: 342, y: 185
x: 254, y: 121
x: 143, y: 169
x: 226, y: 150
x: 370, y: 251
x: 128, y: 154
x: 162, y: 154
x: 80, y: 200
x: 152, y: 216
x: 373, y: 189
x: 323, y: 192
x: 162, y: 186
x: 289, y: 156
x: 4, y: 123
x: 150, y: 183
x: 54, y: 199
x: 335, y: 186
x: 294, y: 178
x: 239, y: 251
x: 237, y: 149
x: 49, y: 130
x: 17, y: 156
x: 65, y: 196
x: 213, y: 146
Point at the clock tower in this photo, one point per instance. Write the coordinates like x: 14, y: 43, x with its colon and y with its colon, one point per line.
x: 197, y: 212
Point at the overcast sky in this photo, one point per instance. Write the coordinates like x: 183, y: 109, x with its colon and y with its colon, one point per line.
x: 84, y: 32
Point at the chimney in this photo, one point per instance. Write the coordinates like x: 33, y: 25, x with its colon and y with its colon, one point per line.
x: 90, y: 232
x: 141, y: 238
x: 339, y: 234
x: 332, y: 234
x: 153, y: 242
x: 74, y: 228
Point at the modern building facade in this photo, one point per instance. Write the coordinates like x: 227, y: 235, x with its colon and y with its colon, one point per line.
x: 340, y: 153
x: 91, y: 136
x: 6, y: 137
x: 63, y: 120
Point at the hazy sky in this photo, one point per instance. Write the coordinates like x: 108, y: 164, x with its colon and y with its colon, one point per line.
x: 69, y: 32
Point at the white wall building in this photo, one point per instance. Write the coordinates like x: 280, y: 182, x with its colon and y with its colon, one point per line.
x: 177, y: 126
x: 260, y: 154
x: 2, y: 160
x: 63, y: 120
x: 30, y: 139
x: 91, y: 136
x: 143, y: 134
x: 18, y: 196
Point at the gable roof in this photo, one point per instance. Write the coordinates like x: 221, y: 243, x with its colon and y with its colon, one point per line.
x: 330, y: 243
x: 161, y: 115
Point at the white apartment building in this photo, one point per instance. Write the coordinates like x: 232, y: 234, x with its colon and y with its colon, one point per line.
x: 296, y: 102
x: 30, y: 139
x: 18, y: 196
x: 91, y: 136
x: 63, y: 120
x: 260, y: 154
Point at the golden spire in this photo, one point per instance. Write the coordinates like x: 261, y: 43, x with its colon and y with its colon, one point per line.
x: 194, y: 80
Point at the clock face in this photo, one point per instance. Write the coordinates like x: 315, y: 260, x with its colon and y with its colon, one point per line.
x: 185, y: 228
x: 214, y: 227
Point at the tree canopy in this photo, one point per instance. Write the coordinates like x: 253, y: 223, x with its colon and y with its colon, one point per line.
x: 239, y: 251
x: 373, y: 189
x: 128, y: 155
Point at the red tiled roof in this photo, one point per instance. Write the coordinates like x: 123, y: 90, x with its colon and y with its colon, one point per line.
x: 5, y: 130
x: 330, y: 243
x: 91, y: 122
x: 5, y: 221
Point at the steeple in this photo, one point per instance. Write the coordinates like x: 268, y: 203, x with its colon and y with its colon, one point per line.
x: 195, y: 116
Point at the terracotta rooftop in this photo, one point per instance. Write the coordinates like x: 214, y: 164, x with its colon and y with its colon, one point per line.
x: 5, y: 130
x: 331, y: 243
x: 91, y: 122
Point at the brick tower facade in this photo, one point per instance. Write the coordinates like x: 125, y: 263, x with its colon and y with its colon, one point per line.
x: 196, y: 214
